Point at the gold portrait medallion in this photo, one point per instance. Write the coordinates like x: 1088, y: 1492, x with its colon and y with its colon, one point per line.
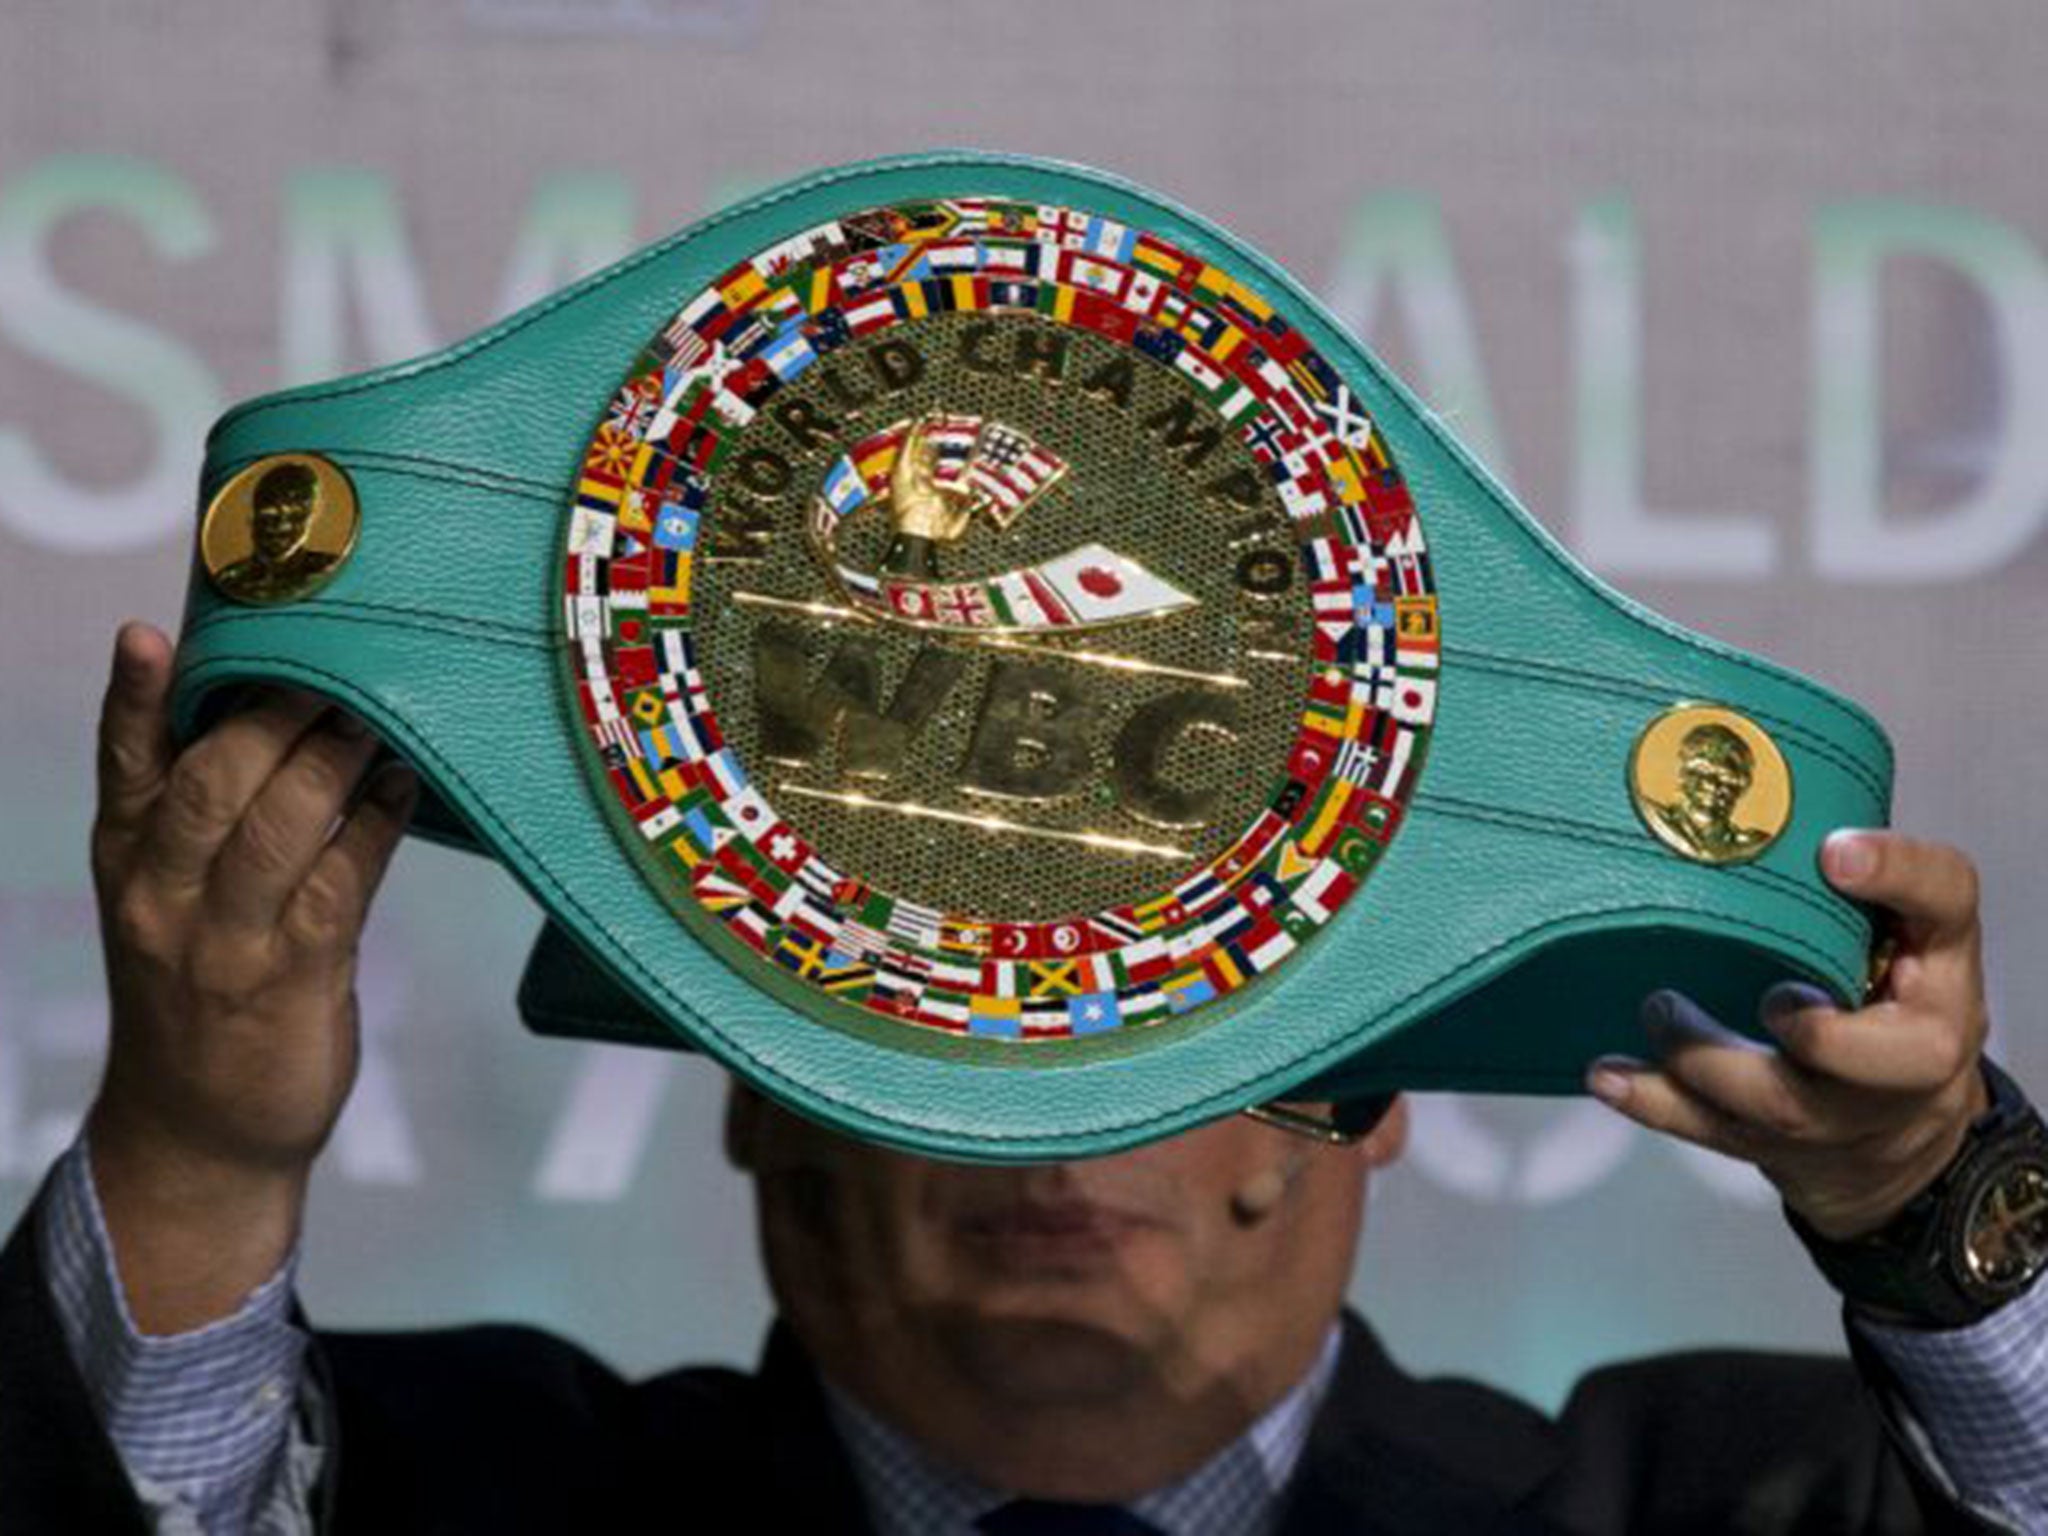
x: 279, y: 530
x: 1710, y: 784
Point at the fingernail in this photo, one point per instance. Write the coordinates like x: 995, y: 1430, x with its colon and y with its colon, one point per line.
x: 1669, y: 1018
x: 1659, y: 1010
x: 1788, y: 998
x: 128, y: 650
x: 1848, y: 857
x: 1611, y: 1079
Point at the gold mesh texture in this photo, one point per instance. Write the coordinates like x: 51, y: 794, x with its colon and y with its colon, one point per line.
x: 1125, y: 488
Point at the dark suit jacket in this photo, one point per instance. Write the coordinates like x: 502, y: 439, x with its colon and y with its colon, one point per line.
x: 500, y: 1430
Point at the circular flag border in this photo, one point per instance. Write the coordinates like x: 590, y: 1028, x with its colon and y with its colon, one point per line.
x: 718, y: 850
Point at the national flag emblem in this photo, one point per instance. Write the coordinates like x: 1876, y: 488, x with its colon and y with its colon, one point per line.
x: 1163, y: 913
x: 915, y: 924
x: 750, y: 813
x: 1354, y: 851
x: 718, y: 894
x: 1345, y: 417
x: 844, y: 487
x: 963, y: 938
x: 676, y: 528
x: 790, y: 355
x: 1008, y: 470
x: 1048, y: 978
x: 1411, y: 700
x: 807, y: 957
x: 1297, y: 924
x: 1415, y: 622
x: 1093, y: 1012
x: 707, y: 828
x: 845, y: 973
x: 998, y: 1016
x: 1187, y: 990
x: 1098, y: 586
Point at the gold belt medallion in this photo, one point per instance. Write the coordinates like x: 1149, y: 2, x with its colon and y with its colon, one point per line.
x: 995, y: 620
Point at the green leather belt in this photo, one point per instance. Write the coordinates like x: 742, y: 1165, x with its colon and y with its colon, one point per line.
x: 976, y: 649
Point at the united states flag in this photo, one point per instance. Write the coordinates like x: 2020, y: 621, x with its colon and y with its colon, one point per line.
x: 1008, y: 469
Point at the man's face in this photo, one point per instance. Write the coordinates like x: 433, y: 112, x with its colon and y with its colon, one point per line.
x: 1197, y: 1267
x: 1711, y: 786
x: 279, y: 526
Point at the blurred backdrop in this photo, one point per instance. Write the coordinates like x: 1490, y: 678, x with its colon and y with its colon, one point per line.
x: 1748, y: 303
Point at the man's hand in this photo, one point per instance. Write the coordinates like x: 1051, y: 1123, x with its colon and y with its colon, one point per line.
x: 1856, y: 1111
x: 233, y: 880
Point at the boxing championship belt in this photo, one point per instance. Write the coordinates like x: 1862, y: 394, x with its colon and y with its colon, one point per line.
x: 976, y: 649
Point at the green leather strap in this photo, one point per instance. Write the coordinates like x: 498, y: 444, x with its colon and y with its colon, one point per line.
x: 1504, y: 939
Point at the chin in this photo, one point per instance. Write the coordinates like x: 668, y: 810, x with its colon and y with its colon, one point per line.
x: 1025, y: 1357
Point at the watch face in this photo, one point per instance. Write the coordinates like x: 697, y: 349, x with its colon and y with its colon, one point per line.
x: 2005, y: 1241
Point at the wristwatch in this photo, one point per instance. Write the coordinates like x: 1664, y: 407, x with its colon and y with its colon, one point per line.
x: 1970, y: 1242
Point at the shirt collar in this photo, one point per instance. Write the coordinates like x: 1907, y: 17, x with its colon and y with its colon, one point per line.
x: 1236, y: 1492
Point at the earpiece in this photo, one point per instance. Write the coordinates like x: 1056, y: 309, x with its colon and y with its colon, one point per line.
x: 1260, y: 1195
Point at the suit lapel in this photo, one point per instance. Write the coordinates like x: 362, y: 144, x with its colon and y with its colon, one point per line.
x: 61, y: 1470
x: 815, y: 1489
x: 1392, y: 1456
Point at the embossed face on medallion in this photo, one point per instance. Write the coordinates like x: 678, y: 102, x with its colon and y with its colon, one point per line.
x: 280, y: 530
x: 1710, y: 784
x: 998, y: 621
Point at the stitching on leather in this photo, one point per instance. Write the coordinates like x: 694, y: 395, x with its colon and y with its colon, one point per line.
x: 1460, y: 456
x: 532, y: 638
x: 553, y: 493
x: 423, y: 622
x: 1627, y: 842
x: 1623, y: 842
x: 1604, y: 682
x: 555, y: 499
x: 540, y: 874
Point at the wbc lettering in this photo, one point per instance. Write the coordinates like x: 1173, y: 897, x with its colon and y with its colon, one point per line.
x: 1037, y: 735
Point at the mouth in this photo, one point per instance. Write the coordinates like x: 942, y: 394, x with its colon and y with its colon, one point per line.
x: 1027, y: 1235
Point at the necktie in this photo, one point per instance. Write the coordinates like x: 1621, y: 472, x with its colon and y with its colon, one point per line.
x: 1050, y: 1517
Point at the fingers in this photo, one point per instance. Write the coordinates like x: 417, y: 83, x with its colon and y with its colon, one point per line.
x: 212, y: 783
x: 276, y: 842
x: 1752, y: 1085
x: 1936, y: 969
x: 1931, y: 885
x: 1652, y: 1099
x: 1888, y: 1046
x: 134, y: 739
x: 334, y: 899
x: 1713, y: 1086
